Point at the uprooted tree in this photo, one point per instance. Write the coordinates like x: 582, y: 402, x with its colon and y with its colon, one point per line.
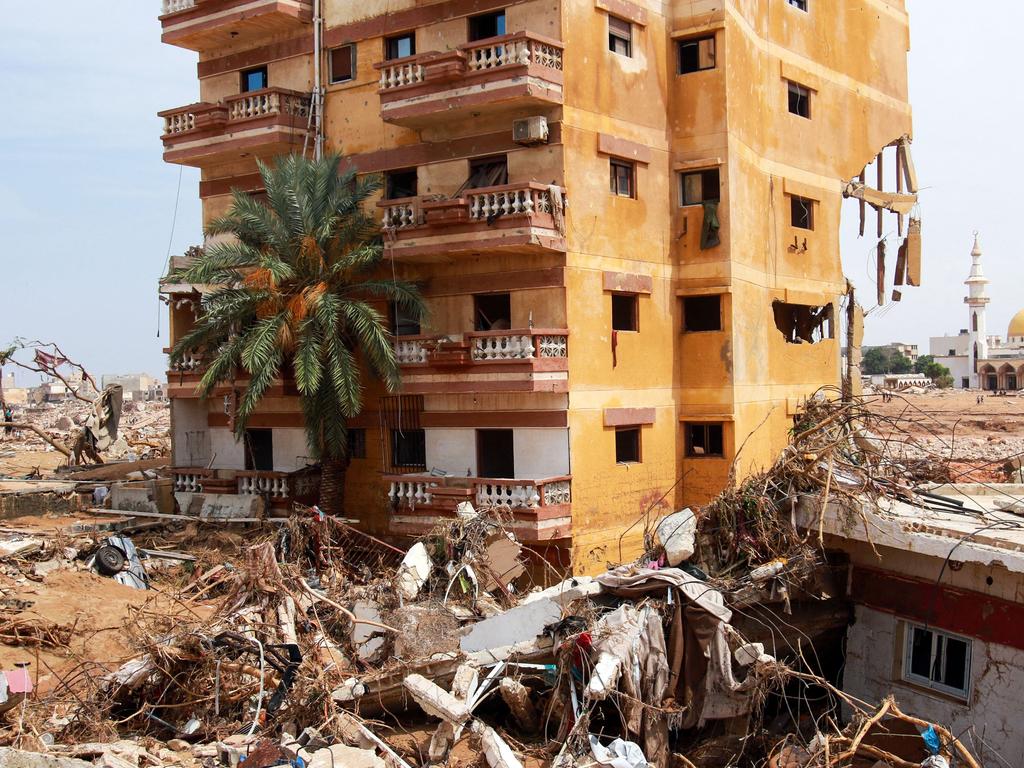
x: 295, y: 290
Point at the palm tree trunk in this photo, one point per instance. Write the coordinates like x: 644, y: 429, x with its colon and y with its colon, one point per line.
x: 332, y: 486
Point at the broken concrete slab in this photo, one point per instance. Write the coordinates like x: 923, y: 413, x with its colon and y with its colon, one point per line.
x: 414, y: 571
x: 16, y: 758
x: 344, y: 755
x: 435, y: 700
x: 522, y: 623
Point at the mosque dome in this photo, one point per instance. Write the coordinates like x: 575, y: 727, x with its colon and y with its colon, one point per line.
x: 1016, y: 325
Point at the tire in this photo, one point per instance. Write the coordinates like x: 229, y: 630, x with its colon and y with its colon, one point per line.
x: 110, y: 560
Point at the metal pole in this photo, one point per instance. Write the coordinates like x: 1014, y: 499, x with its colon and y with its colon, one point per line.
x: 318, y: 95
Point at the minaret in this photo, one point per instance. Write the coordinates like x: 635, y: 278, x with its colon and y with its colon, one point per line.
x: 976, y: 299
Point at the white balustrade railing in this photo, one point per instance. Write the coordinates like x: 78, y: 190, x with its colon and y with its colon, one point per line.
x: 264, y: 103
x: 513, y: 495
x: 397, y: 75
x: 508, y: 202
x: 551, y: 345
x: 173, y: 6
x: 512, y: 346
x: 498, y: 54
x: 179, y: 122
x: 411, y: 492
x: 545, y: 54
x: 410, y: 350
x: 191, y: 361
x: 276, y: 486
x: 188, y: 481
x: 557, y: 492
x: 401, y: 215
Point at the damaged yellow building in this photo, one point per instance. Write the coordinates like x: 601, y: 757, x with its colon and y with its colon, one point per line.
x: 625, y: 216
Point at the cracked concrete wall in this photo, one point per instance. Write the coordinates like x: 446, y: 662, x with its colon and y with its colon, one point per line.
x: 990, y: 720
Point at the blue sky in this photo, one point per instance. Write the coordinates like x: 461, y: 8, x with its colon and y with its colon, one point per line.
x: 86, y: 203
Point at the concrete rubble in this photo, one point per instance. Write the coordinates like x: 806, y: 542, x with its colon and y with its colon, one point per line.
x: 307, y: 642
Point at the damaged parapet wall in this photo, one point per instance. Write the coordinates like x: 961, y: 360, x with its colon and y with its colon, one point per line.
x: 38, y: 502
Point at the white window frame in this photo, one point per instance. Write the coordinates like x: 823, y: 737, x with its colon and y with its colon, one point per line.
x: 927, y: 682
x: 330, y: 61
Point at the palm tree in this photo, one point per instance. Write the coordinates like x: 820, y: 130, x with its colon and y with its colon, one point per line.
x: 296, y: 287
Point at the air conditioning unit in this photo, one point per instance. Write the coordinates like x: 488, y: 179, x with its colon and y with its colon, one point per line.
x: 530, y: 130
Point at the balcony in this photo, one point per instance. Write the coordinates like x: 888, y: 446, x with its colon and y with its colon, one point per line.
x: 517, y: 218
x: 210, y: 24
x: 280, y: 489
x: 540, y: 509
x: 267, y: 122
x: 531, y: 360
x: 503, y: 74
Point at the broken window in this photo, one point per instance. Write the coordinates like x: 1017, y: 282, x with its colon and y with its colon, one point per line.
x: 620, y: 36
x: 357, y: 443
x: 704, y: 439
x: 402, y: 324
x: 623, y: 177
x: 799, y: 99
x: 801, y: 4
x: 696, y: 54
x: 342, y: 63
x: 801, y: 212
x: 486, y: 25
x: 492, y: 312
x: 495, y: 453
x: 404, y: 441
x: 409, y: 449
x: 259, y: 450
x: 254, y: 79
x: 936, y: 659
x: 696, y: 187
x: 702, y: 313
x: 399, y: 184
x: 488, y: 172
x: 625, y: 312
x: 627, y: 445
x: 400, y: 46
x: 802, y: 323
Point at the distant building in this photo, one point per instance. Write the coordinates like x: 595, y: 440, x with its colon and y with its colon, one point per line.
x: 136, y: 386
x: 909, y: 351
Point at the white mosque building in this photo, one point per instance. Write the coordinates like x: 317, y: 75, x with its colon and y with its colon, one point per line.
x: 975, y: 359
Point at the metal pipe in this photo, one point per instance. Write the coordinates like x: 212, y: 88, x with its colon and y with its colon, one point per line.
x: 318, y: 94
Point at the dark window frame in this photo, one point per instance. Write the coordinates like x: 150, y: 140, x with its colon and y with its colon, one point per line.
x: 473, y: 35
x: 615, y: 165
x: 620, y: 41
x: 245, y: 74
x: 481, y: 318
x: 489, y: 171
x: 251, y: 454
x: 692, y: 327
x: 392, y: 45
x: 409, y: 448
x: 629, y: 445
x: 400, y: 324
x: 685, y: 57
x: 351, y: 63
x: 799, y: 99
x: 356, y: 439
x: 390, y: 178
x: 621, y: 312
x: 801, y: 213
x: 709, y: 177
x: 712, y: 435
x: 800, y: 5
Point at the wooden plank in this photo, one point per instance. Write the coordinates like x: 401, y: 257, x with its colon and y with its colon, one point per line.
x: 914, y: 252
x: 881, y: 216
x: 880, y: 272
x: 863, y: 205
x: 899, y: 190
x: 909, y: 172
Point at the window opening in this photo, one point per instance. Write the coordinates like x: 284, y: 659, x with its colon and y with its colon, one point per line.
x: 409, y: 448
x: 702, y: 313
x: 486, y: 25
x: 799, y: 99
x: 801, y: 212
x: 400, y: 46
x: 492, y: 311
x: 402, y: 323
x: 801, y: 323
x: 696, y: 55
x: 342, y: 63
x: 936, y: 659
x: 399, y: 184
x: 697, y: 187
x: 624, y: 312
x: 627, y: 445
x: 495, y: 453
x: 259, y: 450
x: 801, y: 4
x: 487, y: 172
x: 623, y: 177
x: 357, y: 443
x: 620, y: 36
x: 704, y: 440
x: 254, y: 79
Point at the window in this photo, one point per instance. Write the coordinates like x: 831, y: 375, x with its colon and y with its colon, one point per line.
x: 620, y: 36
x: 696, y: 54
x: 409, y: 449
x: 624, y: 312
x: 495, y: 453
x: 696, y: 187
x: 965, y: 382
x: 801, y: 212
x: 704, y: 440
x: 936, y: 659
x: 254, y: 79
x: 702, y: 313
x: 623, y: 177
x: 799, y: 99
x: 488, y: 172
x: 801, y: 4
x: 952, y: 353
x: 492, y: 312
x: 401, y: 323
x: 399, y: 184
x: 400, y: 46
x: 342, y: 63
x: 803, y: 323
x: 627, y: 445
x: 486, y: 25
x: 259, y: 450
x: 357, y: 443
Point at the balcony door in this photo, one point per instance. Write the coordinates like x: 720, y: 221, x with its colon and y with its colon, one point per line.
x: 259, y: 450
x: 495, y: 453
x: 492, y: 312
